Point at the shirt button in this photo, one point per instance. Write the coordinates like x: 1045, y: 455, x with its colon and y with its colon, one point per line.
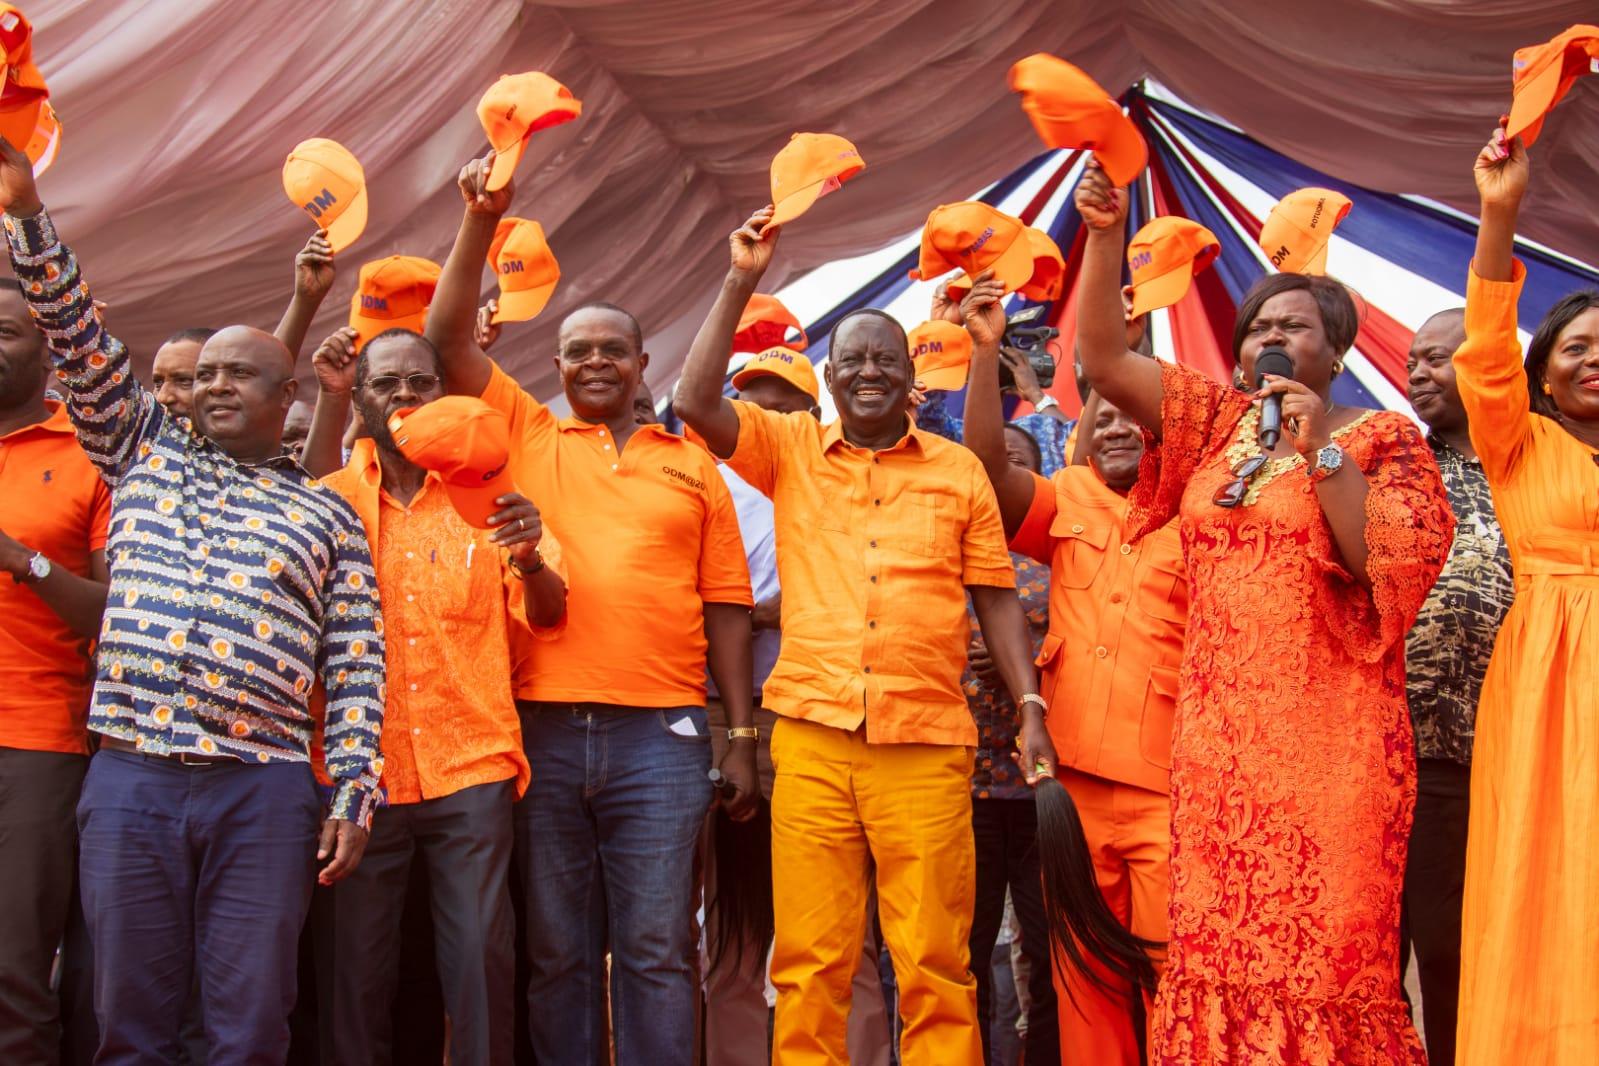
x: 873, y: 543
x: 408, y: 555
x: 1099, y: 653
x: 1127, y: 549
x: 1077, y: 529
x: 877, y: 503
x: 613, y: 466
x: 871, y: 625
x: 874, y: 579
x: 868, y: 669
x: 413, y: 687
x: 1115, y: 597
x: 607, y: 447
x: 412, y: 641
x: 416, y: 732
x: 409, y: 598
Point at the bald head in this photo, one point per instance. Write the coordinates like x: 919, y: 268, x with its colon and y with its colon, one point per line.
x: 1432, y: 390
x: 243, y: 386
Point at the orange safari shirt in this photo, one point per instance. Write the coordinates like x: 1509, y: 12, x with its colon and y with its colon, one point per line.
x: 1117, y: 615
x: 53, y: 501
x: 453, y: 622
x: 650, y: 537
x: 874, y: 553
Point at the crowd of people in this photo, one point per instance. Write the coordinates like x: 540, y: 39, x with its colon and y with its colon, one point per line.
x: 1319, y: 697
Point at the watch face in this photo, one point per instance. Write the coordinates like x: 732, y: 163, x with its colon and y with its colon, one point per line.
x: 39, y: 567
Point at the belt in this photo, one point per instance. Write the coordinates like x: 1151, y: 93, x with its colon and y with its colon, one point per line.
x: 184, y: 758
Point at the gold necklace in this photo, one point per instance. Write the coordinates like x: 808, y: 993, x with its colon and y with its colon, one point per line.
x: 1246, y: 443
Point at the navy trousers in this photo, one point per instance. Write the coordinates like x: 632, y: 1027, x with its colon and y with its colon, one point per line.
x: 189, y: 869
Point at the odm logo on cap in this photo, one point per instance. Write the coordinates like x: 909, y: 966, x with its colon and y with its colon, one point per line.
x: 526, y: 269
x: 324, y: 180
x: 392, y: 293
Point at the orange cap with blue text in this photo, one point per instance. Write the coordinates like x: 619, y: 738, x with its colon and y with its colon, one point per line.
x: 975, y: 237
x: 1049, y: 271
x: 467, y: 443
x: 1295, y: 234
x: 526, y: 269
x: 1163, y: 258
x: 781, y: 361
x: 808, y: 167
x: 516, y: 107
x: 942, y: 352
x: 1543, y: 73
x: 325, y: 180
x: 1068, y: 109
x: 392, y: 293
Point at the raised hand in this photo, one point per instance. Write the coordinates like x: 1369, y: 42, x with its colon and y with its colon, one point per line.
x: 479, y: 200
x: 945, y: 309
x: 19, y: 197
x: 1501, y: 170
x: 485, y: 331
x: 983, y: 310
x: 314, y: 268
x: 1022, y: 372
x: 1101, y: 204
x: 752, y: 245
x: 334, y: 362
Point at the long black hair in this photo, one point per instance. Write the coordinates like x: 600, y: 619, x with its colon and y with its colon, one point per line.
x: 1543, y: 343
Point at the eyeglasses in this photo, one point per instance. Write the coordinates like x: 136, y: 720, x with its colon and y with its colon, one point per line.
x: 1232, y: 494
x: 387, y: 383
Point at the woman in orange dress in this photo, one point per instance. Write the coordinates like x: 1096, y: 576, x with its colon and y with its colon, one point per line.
x: 1530, y: 928
x: 1293, y: 765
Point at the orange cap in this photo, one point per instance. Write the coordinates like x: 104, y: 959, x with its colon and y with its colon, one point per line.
x: 392, y: 293
x: 974, y: 237
x: 942, y: 352
x: 467, y: 443
x: 783, y: 362
x: 810, y: 166
x: 1295, y: 234
x: 1164, y: 256
x: 765, y: 324
x: 327, y: 183
x: 525, y: 267
x: 1543, y: 73
x: 1070, y: 110
x: 46, y: 140
x: 516, y: 106
x: 23, y: 92
x: 1049, y: 270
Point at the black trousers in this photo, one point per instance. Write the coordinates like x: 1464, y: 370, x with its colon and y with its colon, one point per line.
x: 38, y: 838
x: 465, y: 841
x: 1434, y: 881
x: 1006, y: 832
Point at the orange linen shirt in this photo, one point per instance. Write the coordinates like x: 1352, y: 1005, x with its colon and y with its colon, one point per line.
x: 874, y: 553
x: 453, y: 622
x: 52, y: 501
x: 1117, y: 615
x: 650, y: 537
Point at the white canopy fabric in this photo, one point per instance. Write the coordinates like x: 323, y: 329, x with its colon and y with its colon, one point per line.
x: 177, y: 115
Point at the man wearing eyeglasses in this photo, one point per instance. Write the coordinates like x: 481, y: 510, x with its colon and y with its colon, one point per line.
x: 459, y: 602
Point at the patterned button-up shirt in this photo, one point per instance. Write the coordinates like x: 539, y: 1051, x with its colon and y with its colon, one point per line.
x: 995, y: 775
x: 234, y: 588
x: 1447, y: 652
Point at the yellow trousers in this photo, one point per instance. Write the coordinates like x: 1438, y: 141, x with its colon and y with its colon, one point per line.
x: 840, y: 805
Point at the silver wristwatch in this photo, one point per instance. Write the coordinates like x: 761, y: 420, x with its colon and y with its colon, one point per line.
x: 1328, y: 461
x: 1046, y: 403
x: 38, y: 568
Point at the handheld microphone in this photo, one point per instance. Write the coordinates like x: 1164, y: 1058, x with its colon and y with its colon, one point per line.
x: 1272, y: 360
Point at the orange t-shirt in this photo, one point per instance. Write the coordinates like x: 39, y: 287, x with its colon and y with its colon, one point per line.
x: 650, y: 537
x: 52, y: 501
x: 453, y: 622
x: 874, y: 553
x: 1117, y: 615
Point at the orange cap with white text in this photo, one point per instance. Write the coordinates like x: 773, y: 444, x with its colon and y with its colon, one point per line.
x: 1295, y: 234
x: 765, y: 324
x: 975, y: 237
x: 1163, y: 258
x: 23, y: 95
x: 514, y: 108
x: 808, y: 167
x: 781, y: 361
x: 392, y: 293
x: 1049, y: 271
x: 326, y: 181
x: 942, y: 352
x: 467, y: 443
x: 1069, y: 110
x: 1543, y: 73
x: 526, y: 269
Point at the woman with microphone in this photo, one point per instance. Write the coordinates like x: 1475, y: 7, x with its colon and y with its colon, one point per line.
x: 1309, y: 551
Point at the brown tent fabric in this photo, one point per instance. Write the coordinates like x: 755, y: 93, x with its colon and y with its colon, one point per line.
x: 178, y: 114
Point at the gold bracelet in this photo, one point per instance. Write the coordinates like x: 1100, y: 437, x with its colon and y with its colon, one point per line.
x: 744, y: 732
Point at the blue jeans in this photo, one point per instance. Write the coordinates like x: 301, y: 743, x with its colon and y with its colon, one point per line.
x: 187, y: 868
x: 605, y: 842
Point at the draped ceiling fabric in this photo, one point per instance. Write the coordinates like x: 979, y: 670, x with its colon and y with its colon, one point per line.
x: 177, y: 115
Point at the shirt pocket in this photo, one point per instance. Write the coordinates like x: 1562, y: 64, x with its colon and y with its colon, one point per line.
x: 1163, y: 589
x: 1079, y: 550
x: 1155, y: 727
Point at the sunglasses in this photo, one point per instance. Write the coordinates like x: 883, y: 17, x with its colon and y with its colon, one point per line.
x: 1232, y: 494
x: 387, y: 383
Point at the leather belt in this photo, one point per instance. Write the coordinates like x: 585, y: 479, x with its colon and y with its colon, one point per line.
x: 184, y: 758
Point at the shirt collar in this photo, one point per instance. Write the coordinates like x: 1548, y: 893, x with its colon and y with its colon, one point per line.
x: 914, y: 441
x: 57, y: 421
x: 1443, y: 449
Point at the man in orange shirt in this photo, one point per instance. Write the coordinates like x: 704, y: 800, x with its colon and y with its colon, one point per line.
x: 54, y: 510
x: 1117, y: 615
x: 452, y: 753
x: 882, y: 531
x: 613, y: 709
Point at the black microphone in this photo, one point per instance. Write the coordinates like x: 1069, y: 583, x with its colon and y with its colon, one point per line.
x: 1274, y: 361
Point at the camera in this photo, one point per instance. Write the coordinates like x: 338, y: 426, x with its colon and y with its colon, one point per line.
x: 1033, y: 342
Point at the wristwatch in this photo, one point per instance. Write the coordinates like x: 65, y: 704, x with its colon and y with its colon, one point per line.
x: 521, y: 574
x: 1328, y: 461
x: 744, y: 732
x: 1046, y: 403
x: 38, y: 569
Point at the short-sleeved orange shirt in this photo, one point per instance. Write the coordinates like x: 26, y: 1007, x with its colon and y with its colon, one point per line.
x: 53, y: 501
x: 1118, y: 611
x: 453, y: 622
x: 650, y: 537
x: 874, y: 553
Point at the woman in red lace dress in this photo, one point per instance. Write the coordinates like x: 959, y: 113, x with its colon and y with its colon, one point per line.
x: 1293, y: 768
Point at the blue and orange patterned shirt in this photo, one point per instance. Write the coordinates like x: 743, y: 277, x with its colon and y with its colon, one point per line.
x: 234, y: 587
x: 995, y: 774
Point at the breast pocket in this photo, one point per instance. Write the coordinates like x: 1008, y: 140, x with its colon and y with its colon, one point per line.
x: 1079, y: 550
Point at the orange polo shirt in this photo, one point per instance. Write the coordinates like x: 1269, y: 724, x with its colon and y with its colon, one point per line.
x: 650, y: 537
x: 52, y: 501
x: 874, y: 553
x: 453, y: 622
x: 1117, y: 615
